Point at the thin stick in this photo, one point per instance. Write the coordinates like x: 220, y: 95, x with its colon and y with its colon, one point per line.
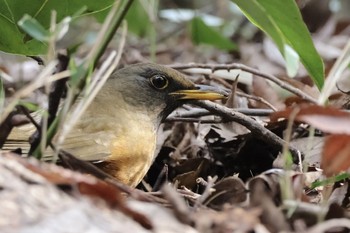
x: 257, y: 129
x: 258, y: 99
x: 208, y: 190
x: 329, y: 225
x: 56, y: 92
x: 195, y: 120
x: 248, y: 69
x: 202, y: 112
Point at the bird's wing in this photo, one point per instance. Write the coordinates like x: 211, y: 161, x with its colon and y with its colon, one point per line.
x: 91, y: 146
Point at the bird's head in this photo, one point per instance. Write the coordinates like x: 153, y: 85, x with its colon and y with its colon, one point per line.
x: 157, y: 89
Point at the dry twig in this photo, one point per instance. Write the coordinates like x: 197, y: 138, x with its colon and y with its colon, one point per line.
x: 228, y: 67
x: 261, y: 132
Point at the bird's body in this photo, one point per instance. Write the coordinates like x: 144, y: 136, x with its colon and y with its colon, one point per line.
x: 120, y: 126
x: 128, y: 142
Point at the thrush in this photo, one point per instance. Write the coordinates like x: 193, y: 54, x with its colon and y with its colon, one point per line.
x: 120, y: 126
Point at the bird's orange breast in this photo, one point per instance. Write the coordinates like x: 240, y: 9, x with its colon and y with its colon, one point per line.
x: 131, y: 157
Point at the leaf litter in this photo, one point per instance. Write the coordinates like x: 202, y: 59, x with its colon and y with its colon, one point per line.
x: 212, y: 177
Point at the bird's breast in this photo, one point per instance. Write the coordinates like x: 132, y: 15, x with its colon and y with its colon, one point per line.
x: 122, y: 136
x: 130, y: 143
x: 132, y: 153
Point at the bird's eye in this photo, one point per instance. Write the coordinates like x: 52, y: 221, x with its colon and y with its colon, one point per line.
x: 159, y: 81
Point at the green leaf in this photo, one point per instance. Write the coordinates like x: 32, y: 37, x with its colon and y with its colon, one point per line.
x: 292, y: 61
x: 14, y: 40
x: 330, y: 180
x: 77, y: 73
x: 138, y: 21
x: 203, y: 34
x: 282, y: 21
x: 34, y: 28
x: 32, y: 107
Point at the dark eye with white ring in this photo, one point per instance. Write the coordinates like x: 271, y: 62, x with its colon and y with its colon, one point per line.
x: 159, y: 81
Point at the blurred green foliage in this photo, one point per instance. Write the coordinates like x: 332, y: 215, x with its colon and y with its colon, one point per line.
x: 282, y: 21
x: 203, y: 34
x: 285, y: 27
x: 138, y: 20
x: 14, y: 40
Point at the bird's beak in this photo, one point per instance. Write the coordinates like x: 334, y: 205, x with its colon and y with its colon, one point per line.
x: 202, y: 92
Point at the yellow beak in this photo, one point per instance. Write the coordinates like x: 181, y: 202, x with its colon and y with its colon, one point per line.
x: 203, y: 92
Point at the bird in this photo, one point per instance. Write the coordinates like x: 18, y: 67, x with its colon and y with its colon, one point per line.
x: 119, y: 128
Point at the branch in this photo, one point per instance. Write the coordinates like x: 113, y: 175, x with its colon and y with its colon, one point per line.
x: 258, y: 130
x: 56, y: 91
x: 248, y: 69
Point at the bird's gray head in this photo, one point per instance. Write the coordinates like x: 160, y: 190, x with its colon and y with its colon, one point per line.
x: 156, y: 89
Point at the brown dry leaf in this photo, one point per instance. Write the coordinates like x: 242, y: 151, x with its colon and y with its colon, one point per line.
x: 327, y: 119
x: 229, y: 190
x: 311, y: 148
x: 190, y: 170
x: 31, y: 203
x: 310, y: 90
x: 231, y: 219
x: 339, y: 196
x: 336, y: 154
x: 261, y: 197
x: 263, y: 89
x: 294, y: 100
x: 87, y: 185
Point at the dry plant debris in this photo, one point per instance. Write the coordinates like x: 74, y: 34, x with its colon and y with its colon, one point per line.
x: 224, y: 168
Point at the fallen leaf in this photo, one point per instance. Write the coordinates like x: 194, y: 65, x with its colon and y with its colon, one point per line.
x: 263, y: 89
x: 327, y: 119
x: 336, y: 154
x: 228, y: 190
x: 190, y: 170
x: 85, y: 184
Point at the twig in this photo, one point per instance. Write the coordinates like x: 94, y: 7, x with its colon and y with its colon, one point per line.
x: 6, y: 126
x: 208, y: 190
x: 163, y: 173
x: 258, y: 99
x: 330, y: 224
x: 26, y: 112
x: 180, y: 209
x: 201, y: 181
x: 288, y: 133
x: 188, y: 194
x: 29, y: 117
x: 261, y: 132
x: 192, y: 112
x: 109, y: 27
x: 304, y: 207
x: 230, y: 102
x: 195, y: 120
x: 195, y: 113
x: 43, y: 79
x: 57, y: 88
x: 228, y: 67
x: 112, y: 28
x: 56, y: 92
